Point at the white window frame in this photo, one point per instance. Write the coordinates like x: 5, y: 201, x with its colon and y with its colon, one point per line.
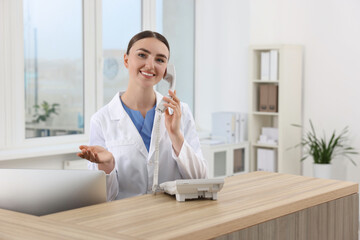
x: 13, y: 143
x: 149, y: 15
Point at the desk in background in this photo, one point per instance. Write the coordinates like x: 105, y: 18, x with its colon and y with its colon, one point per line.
x: 257, y: 205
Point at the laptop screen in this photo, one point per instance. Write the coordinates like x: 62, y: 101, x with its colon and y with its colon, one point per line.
x: 41, y: 192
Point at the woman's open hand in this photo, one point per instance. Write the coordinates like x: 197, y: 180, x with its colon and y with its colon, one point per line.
x: 99, y: 155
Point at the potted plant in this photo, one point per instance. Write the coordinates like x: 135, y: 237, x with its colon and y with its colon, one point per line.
x: 323, y: 151
x: 46, y: 112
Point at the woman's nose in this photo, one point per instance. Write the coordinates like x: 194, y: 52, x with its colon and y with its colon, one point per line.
x: 150, y: 62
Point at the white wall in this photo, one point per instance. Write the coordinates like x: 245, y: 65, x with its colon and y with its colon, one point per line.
x: 330, y: 34
x: 222, y: 40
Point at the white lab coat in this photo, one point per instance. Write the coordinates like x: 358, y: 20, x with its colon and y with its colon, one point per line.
x: 112, y: 128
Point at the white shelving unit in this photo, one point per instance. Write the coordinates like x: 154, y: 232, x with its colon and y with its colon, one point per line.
x: 289, y: 112
x: 226, y: 159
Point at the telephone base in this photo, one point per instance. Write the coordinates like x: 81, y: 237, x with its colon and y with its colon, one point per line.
x: 207, y: 195
x: 193, y: 188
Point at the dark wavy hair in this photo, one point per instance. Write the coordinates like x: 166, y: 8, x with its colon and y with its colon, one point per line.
x: 147, y: 34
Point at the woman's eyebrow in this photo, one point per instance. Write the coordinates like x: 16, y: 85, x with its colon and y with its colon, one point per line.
x: 147, y: 51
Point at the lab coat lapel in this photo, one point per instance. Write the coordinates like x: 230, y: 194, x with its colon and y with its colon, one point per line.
x: 128, y: 129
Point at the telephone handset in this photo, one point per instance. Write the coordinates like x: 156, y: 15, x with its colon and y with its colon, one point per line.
x: 171, y: 79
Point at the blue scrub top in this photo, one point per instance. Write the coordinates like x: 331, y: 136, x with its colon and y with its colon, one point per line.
x: 143, y: 125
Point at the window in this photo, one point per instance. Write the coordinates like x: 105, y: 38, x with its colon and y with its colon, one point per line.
x: 70, y: 53
x: 176, y: 21
x: 53, y: 63
x: 121, y: 19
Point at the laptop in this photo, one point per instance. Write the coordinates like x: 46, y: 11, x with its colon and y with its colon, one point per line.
x: 41, y: 192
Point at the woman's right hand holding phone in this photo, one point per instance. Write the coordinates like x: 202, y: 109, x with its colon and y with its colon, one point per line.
x: 99, y: 155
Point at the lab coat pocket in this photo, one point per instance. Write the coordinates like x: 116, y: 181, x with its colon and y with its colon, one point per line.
x: 122, y: 149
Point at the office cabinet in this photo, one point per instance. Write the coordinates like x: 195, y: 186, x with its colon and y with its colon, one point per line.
x: 226, y: 159
x: 276, y: 78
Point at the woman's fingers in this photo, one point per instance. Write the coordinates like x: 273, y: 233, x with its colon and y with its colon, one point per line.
x: 86, y: 154
x: 81, y: 147
x: 174, y: 106
x: 91, y: 156
x: 96, y: 158
x: 172, y: 103
x: 174, y: 97
x: 90, y: 153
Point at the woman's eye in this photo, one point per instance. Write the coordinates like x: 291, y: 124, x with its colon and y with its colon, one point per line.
x: 160, y: 60
x: 141, y: 55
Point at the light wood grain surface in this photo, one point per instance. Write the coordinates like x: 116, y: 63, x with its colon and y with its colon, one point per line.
x: 14, y: 225
x: 245, y: 200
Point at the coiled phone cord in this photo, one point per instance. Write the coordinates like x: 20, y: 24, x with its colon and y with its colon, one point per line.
x: 155, y: 186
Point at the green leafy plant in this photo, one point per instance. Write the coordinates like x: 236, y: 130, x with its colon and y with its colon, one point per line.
x: 46, y: 111
x: 323, y: 151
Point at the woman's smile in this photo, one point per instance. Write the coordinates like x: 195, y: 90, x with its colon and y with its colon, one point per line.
x: 147, y: 74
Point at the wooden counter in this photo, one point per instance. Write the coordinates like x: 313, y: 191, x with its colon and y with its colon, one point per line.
x: 257, y: 205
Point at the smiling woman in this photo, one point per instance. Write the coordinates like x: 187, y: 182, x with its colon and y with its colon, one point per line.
x: 122, y: 142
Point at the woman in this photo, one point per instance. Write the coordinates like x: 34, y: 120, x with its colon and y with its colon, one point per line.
x: 121, y: 137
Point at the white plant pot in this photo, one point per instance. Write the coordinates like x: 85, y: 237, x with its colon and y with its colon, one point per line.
x: 49, y: 121
x: 322, y: 170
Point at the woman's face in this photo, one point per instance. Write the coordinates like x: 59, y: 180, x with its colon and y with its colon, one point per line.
x: 147, y: 61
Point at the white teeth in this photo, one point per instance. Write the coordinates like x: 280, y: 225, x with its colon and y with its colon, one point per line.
x: 148, y: 74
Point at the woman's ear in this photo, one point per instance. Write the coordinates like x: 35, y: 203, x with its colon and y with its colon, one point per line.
x: 126, y: 60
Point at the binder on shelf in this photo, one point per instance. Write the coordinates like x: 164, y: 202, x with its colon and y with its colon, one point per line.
x: 265, y: 66
x: 274, y: 66
x: 266, y: 160
x: 237, y: 127
x: 272, y: 98
x: 229, y: 126
x: 263, y: 97
x: 268, y: 98
x: 240, y: 127
x: 223, y: 126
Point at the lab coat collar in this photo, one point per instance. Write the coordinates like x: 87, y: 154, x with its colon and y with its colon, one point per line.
x: 114, y: 107
x: 118, y: 113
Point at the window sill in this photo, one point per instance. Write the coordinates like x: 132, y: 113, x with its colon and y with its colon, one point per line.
x: 41, y: 151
